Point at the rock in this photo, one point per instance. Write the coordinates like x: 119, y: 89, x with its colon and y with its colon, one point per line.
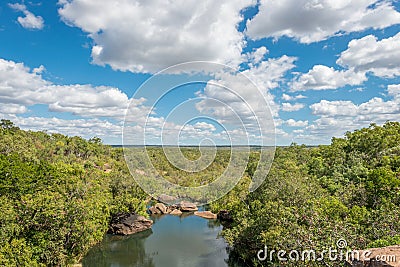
x: 129, y: 223
x: 176, y: 212
x: 171, y: 208
x: 154, y: 210
x: 161, y: 207
x: 187, y: 206
x: 166, y: 198
x: 224, y: 215
x: 376, y: 257
x: 206, y: 214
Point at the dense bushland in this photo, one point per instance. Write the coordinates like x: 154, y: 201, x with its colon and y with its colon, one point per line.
x: 57, y: 194
x: 313, y: 197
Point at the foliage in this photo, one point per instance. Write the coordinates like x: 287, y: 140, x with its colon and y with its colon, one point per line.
x: 314, y: 196
x: 57, y: 194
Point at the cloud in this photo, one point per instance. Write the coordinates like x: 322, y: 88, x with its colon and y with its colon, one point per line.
x: 9, y: 108
x: 18, y: 84
x: 321, y: 77
x: 29, y: 21
x: 368, y: 54
x: 337, y: 117
x: 20, y: 87
x: 86, y: 128
x: 102, y: 108
x: 147, y: 36
x: 257, y: 55
x: 204, y: 126
x: 324, y: 18
x: 294, y: 123
x: 334, y: 108
x: 246, y: 102
x: 288, y: 107
x: 375, y: 109
x: 287, y: 97
x: 362, y: 56
x: 394, y: 90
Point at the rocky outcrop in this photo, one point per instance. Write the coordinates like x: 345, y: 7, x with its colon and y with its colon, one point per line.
x: 171, y: 208
x: 187, y: 206
x: 154, y: 211
x: 129, y: 223
x: 166, y: 198
x: 175, y: 212
x: 206, y: 214
x: 183, y: 206
x: 224, y: 215
x: 161, y: 207
x: 376, y: 257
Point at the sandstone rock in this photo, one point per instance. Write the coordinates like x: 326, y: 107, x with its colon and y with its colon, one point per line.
x: 376, y: 257
x: 129, y: 223
x: 187, y: 206
x: 224, y: 215
x: 171, y: 208
x: 206, y: 214
x: 166, y: 198
x: 176, y: 212
x: 153, y: 210
x: 161, y: 207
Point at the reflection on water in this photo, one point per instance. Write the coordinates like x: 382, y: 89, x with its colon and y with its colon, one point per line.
x: 173, y: 242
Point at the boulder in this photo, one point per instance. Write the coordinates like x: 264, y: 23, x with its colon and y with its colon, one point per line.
x: 171, y: 208
x: 224, y: 215
x: 129, y: 223
x: 376, y: 257
x: 206, y: 214
x: 166, y: 198
x: 176, y: 212
x: 153, y: 210
x: 161, y: 207
x: 187, y: 206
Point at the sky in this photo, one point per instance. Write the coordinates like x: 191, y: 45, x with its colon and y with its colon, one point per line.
x: 249, y: 72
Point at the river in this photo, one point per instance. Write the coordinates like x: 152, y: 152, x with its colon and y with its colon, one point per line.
x: 173, y: 241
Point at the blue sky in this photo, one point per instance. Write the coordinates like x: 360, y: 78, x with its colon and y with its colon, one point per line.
x: 308, y: 69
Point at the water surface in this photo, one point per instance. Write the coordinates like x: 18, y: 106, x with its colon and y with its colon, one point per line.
x: 173, y: 241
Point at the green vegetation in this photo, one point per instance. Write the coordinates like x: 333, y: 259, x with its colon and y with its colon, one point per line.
x: 181, y: 177
x: 57, y: 195
x: 313, y: 197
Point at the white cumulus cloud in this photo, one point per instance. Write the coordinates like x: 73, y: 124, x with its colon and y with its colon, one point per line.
x: 288, y: 107
x: 21, y: 87
x: 368, y: 54
x: 147, y: 36
x: 362, y: 56
x: 294, y: 123
x: 337, y: 117
x: 321, y: 77
x: 29, y: 20
x: 315, y: 20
